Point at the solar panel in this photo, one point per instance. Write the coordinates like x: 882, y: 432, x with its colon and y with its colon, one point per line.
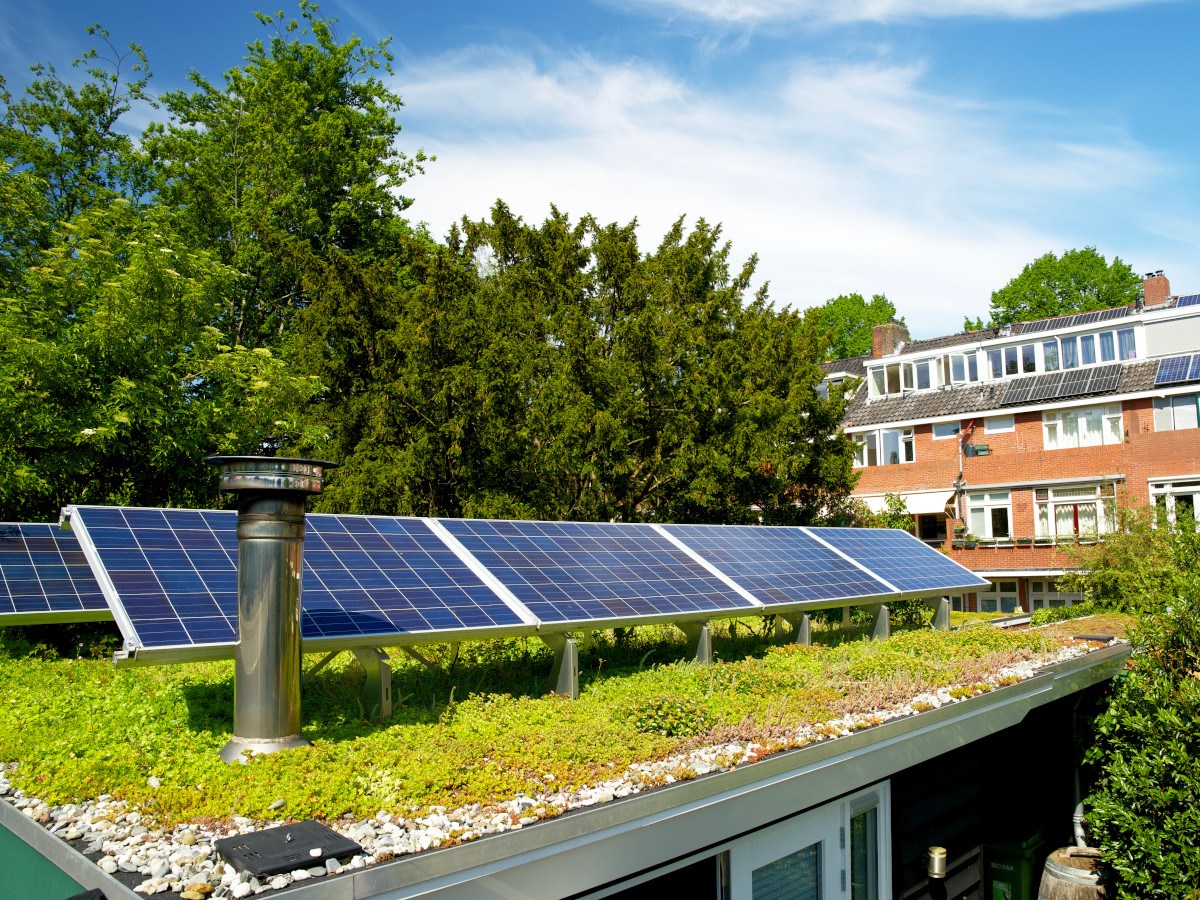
x: 779, y: 565
x: 1187, y: 300
x: 1074, y: 382
x: 1086, y: 318
x: 44, y: 577
x: 1194, y: 368
x: 900, y: 559
x: 172, y: 574
x: 592, y: 572
x: 1104, y: 378
x: 1173, y: 370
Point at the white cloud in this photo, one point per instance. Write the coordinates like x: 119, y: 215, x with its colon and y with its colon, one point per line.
x: 841, y: 177
x: 755, y: 12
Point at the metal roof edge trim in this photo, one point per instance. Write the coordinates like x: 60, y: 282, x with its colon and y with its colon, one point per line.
x: 586, y: 849
x: 69, y: 861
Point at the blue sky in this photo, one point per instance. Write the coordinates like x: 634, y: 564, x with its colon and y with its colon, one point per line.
x: 925, y: 149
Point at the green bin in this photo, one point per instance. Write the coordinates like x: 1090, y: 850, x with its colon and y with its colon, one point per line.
x: 1012, y: 870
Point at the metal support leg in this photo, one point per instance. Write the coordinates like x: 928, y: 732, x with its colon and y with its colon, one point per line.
x: 326, y: 660
x: 419, y: 657
x: 801, y: 629
x: 564, y: 677
x: 845, y: 617
x: 882, y: 628
x: 941, y: 615
x: 699, y: 640
x: 377, y: 692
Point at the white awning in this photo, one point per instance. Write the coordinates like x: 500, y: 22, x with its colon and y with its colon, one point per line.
x: 917, y: 502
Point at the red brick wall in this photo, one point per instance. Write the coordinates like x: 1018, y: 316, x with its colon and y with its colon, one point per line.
x: 1019, y: 456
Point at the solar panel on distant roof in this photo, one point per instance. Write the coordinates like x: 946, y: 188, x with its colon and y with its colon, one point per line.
x: 589, y: 572
x: 1074, y: 382
x: 44, y: 577
x: 779, y: 565
x: 1104, y: 378
x: 1187, y: 300
x: 1074, y: 321
x: 173, y: 574
x: 899, y: 558
x: 1194, y: 368
x: 1172, y: 370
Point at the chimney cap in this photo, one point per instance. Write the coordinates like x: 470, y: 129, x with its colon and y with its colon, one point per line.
x: 271, y: 473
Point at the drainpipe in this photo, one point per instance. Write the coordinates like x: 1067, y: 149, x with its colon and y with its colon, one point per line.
x: 266, y: 699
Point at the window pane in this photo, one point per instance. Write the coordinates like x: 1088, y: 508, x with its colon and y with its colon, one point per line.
x: 1064, y: 520
x: 1091, y: 434
x: 1087, y: 349
x: 1125, y: 344
x: 996, y: 363
x: 1070, y: 353
x: 872, y: 457
x: 1010, y: 360
x: 797, y: 875
x: 922, y: 376
x: 1107, y: 352
x: 1028, y: 358
x: 972, y: 368
x: 1185, y: 411
x: 893, y: 379
x: 1087, y: 518
x: 1050, y: 353
x: 890, y: 447
x: 1163, y: 418
x: 957, y: 368
x: 1043, y: 520
x: 877, y: 382
x: 945, y: 429
x: 978, y: 523
x: 1000, y: 523
x: 1051, y: 434
x: 864, y: 855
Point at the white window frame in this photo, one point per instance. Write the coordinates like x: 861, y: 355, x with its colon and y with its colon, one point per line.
x: 906, y: 443
x: 1166, y: 492
x: 1178, y: 412
x: 957, y: 426
x: 985, y: 503
x: 1049, y: 501
x: 1070, y: 429
x: 999, y: 425
x: 825, y: 826
x: 1044, y: 594
x: 1003, y: 596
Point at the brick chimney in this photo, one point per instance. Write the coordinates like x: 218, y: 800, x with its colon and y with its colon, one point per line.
x: 887, y: 338
x: 1156, y: 288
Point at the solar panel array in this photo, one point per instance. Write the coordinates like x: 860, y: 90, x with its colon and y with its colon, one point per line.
x: 1087, y: 318
x: 779, y: 565
x: 893, y: 556
x: 170, y: 576
x: 45, y: 577
x: 1056, y: 385
x: 1178, y: 369
x: 594, y: 571
x: 1187, y: 300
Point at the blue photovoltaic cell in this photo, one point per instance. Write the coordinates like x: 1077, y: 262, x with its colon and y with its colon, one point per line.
x: 1187, y: 300
x: 899, y: 558
x: 175, y: 572
x: 1194, y: 369
x: 368, y: 575
x: 593, y: 571
x: 44, y: 576
x: 1172, y: 370
x: 778, y: 564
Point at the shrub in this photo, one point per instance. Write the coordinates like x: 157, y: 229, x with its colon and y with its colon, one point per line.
x: 1143, y: 809
x: 669, y: 716
x: 1062, y: 613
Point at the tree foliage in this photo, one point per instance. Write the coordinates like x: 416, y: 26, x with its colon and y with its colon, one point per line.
x: 845, y: 323
x: 1142, y: 810
x: 557, y: 371
x: 1078, y: 281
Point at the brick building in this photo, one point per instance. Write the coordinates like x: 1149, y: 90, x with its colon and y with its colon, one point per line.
x: 1028, y: 437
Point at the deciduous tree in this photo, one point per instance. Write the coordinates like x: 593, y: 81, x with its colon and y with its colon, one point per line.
x: 1078, y: 281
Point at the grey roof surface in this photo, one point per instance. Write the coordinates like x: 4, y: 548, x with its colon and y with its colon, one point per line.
x: 1135, y: 376
x: 855, y: 366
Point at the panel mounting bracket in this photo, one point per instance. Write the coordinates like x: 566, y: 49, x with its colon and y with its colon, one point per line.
x: 564, y: 676
x: 377, y: 691
x: 799, y: 630
x: 699, y: 640
x: 941, y: 614
x: 881, y: 628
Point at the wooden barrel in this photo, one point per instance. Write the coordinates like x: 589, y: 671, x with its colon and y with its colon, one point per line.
x: 1074, y: 873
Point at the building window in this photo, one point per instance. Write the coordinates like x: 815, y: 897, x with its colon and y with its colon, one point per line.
x: 943, y: 430
x: 1050, y: 355
x: 1126, y: 347
x: 998, y: 425
x: 1002, y: 597
x: 1046, y: 595
x: 885, y: 447
x: 1075, y: 511
x: 1085, y: 426
x: 960, y: 368
x: 1175, y: 413
x: 989, y: 514
x: 842, y: 849
x: 1176, y: 501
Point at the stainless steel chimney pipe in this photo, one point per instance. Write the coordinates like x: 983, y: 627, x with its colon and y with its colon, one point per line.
x: 266, y: 695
